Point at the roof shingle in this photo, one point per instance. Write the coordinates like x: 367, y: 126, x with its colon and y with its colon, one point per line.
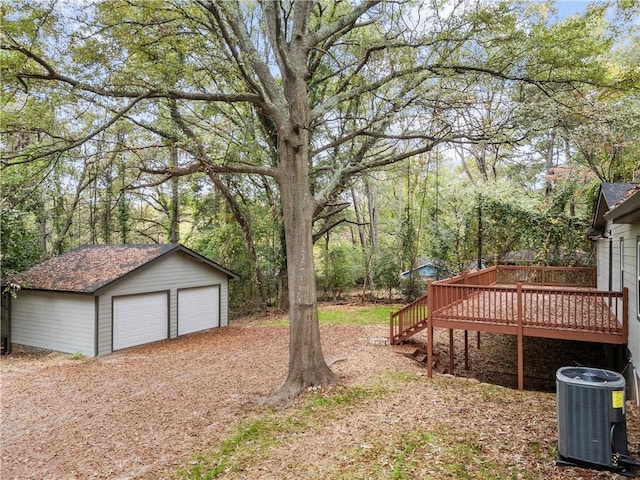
x: 86, y: 269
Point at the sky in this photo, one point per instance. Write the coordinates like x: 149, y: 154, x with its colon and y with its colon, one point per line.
x: 566, y: 8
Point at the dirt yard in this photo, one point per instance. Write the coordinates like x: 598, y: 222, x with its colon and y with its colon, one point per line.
x: 142, y: 412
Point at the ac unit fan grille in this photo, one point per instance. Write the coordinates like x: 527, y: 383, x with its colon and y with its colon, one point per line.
x: 588, y: 430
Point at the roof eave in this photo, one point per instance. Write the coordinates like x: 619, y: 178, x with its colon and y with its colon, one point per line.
x: 51, y: 290
x: 627, y: 211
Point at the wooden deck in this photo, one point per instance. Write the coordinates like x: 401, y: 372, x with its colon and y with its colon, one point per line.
x: 547, y: 302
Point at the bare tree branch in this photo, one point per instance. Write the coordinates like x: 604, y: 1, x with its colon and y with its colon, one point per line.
x: 51, y: 74
x: 6, y: 160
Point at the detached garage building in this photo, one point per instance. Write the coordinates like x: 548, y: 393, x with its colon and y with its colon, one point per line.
x: 100, y: 298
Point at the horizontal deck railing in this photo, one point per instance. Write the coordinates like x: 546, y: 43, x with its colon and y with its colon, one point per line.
x: 568, y: 309
x: 543, y: 275
x: 471, y: 303
x: 538, y: 297
x: 550, y: 308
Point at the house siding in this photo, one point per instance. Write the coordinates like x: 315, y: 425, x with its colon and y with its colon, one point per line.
x: 602, y: 266
x: 54, y: 321
x: 171, y: 272
x: 630, y: 233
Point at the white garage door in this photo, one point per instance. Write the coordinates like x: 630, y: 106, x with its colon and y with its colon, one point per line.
x: 139, y: 319
x: 198, y: 309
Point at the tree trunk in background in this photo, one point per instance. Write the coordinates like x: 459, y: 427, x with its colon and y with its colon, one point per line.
x: 548, y: 186
x: 283, y: 275
x: 257, y: 278
x: 480, y: 231
x: 371, y: 191
x: 175, y: 198
x: 367, y: 251
x: 567, y: 156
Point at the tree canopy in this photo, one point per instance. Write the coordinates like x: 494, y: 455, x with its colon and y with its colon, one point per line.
x: 291, y: 105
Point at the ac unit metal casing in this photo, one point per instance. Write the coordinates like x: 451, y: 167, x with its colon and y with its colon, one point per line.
x: 592, y: 426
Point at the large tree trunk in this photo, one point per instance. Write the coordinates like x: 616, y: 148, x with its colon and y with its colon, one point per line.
x: 307, y: 366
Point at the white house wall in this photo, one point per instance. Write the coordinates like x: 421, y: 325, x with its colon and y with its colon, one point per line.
x: 602, y: 266
x: 54, y: 321
x: 171, y: 272
x: 630, y: 233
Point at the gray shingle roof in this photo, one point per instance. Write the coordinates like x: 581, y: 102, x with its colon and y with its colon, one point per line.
x: 614, y: 192
x: 610, y: 194
x: 627, y: 209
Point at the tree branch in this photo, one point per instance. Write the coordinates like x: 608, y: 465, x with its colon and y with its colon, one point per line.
x: 52, y: 75
x: 6, y: 160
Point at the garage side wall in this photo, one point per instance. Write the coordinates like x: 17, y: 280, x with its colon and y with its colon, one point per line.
x: 169, y: 273
x: 54, y: 321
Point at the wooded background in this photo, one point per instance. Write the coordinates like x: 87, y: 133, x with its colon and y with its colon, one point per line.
x: 513, y: 165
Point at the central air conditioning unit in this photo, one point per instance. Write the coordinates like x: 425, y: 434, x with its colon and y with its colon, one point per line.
x: 592, y: 428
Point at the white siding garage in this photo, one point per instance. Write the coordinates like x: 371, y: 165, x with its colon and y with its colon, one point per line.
x: 139, y: 319
x: 198, y: 309
x: 65, y: 323
x: 100, y: 298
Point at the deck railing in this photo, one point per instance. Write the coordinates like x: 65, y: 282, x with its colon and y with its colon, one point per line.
x: 543, y: 275
x: 540, y: 307
x: 411, y: 316
x: 541, y: 297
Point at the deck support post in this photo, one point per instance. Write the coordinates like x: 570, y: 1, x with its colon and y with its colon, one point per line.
x: 466, y: 350
x: 451, y: 351
x: 391, y: 329
x: 520, y: 341
x: 478, y: 339
x: 430, y: 304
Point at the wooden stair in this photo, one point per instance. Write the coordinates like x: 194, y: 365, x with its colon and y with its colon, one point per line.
x: 409, y: 332
x: 420, y: 355
x: 408, y: 321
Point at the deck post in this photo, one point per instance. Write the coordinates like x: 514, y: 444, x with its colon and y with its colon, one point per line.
x: 430, y: 303
x: 391, y: 334
x: 451, y: 367
x: 520, y: 341
x: 466, y: 350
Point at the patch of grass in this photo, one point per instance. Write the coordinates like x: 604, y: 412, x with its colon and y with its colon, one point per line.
x: 403, y: 377
x: 347, y: 316
x: 400, y: 455
x: 403, y: 463
x: 279, y: 322
x: 462, y: 456
x: 241, y: 448
x: 364, y: 316
x: 540, y: 451
x: 249, y: 442
x: 350, y: 396
x: 197, y: 474
x: 399, y: 449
